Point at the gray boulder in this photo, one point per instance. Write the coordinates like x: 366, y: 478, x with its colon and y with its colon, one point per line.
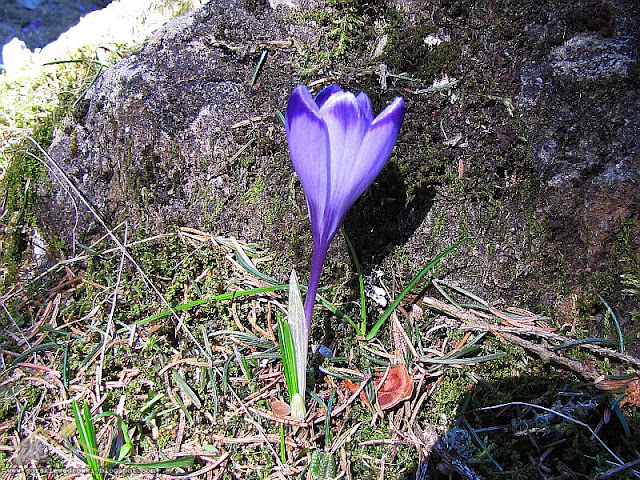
x: 521, y: 131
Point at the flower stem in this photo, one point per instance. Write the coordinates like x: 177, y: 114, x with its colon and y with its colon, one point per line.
x: 319, y: 254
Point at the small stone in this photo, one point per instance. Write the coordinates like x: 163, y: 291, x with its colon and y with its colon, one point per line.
x: 587, y: 58
x: 283, y: 3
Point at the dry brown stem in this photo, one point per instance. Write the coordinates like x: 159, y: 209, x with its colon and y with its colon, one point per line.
x: 475, y: 322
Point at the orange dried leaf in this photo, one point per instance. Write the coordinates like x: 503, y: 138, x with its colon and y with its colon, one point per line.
x: 397, y: 387
x: 611, y: 385
x: 280, y: 408
x: 633, y: 393
x: 353, y: 387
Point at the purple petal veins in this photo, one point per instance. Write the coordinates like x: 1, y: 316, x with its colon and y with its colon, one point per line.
x: 337, y: 149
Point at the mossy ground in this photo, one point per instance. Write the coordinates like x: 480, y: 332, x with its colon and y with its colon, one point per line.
x: 190, y: 388
x: 156, y: 374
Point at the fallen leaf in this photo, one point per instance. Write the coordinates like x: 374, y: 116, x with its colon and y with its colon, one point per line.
x: 632, y: 394
x: 353, y: 387
x: 396, y: 387
x: 280, y: 408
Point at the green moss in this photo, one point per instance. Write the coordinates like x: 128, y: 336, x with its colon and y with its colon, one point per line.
x: 250, y: 462
x: 344, y: 31
x: 618, y: 285
x: 624, y: 259
x: 400, y: 256
x: 247, y: 161
x: 631, y: 290
x: 406, y: 51
x: 23, y: 174
x: 275, y: 210
x: 253, y: 194
x: 446, y: 399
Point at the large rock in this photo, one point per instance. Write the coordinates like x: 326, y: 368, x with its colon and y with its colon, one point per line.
x: 176, y: 134
x: 533, y: 152
x: 580, y: 101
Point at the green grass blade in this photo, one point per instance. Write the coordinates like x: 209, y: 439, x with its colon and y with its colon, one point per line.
x: 249, y: 268
x: 87, y: 438
x: 363, y: 305
x: 332, y: 308
x: 184, y: 408
x: 272, y: 353
x: 327, y: 423
x: 615, y: 323
x: 181, y: 462
x: 245, y: 367
x: 287, y: 353
x: 299, y: 330
x: 65, y: 359
x: 411, y: 284
x: 150, y: 403
x: 261, y: 61
x: 283, y: 449
x: 446, y: 296
x: 128, y: 444
x: 92, y: 354
x: 225, y: 373
x: 484, y: 449
x: 90, y: 444
x: 187, y: 390
x: 583, y: 341
x: 339, y: 375
x: 614, y: 403
x: 463, y: 361
x: 463, y: 291
x: 215, y: 298
x: 37, y: 348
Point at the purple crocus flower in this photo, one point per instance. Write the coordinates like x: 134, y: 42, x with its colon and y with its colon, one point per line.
x: 337, y: 149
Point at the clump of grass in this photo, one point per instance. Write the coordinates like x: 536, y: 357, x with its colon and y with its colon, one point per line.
x: 87, y: 438
x: 40, y: 97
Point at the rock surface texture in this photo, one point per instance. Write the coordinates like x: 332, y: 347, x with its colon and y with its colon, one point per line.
x: 530, y: 145
x: 161, y: 134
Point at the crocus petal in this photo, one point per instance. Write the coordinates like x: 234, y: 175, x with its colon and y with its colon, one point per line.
x: 346, y: 127
x: 308, y: 139
x: 374, y: 151
x: 365, y: 107
x: 325, y: 93
x: 360, y: 171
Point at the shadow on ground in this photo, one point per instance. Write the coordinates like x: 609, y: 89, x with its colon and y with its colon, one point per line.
x: 386, y: 217
x: 533, y: 427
